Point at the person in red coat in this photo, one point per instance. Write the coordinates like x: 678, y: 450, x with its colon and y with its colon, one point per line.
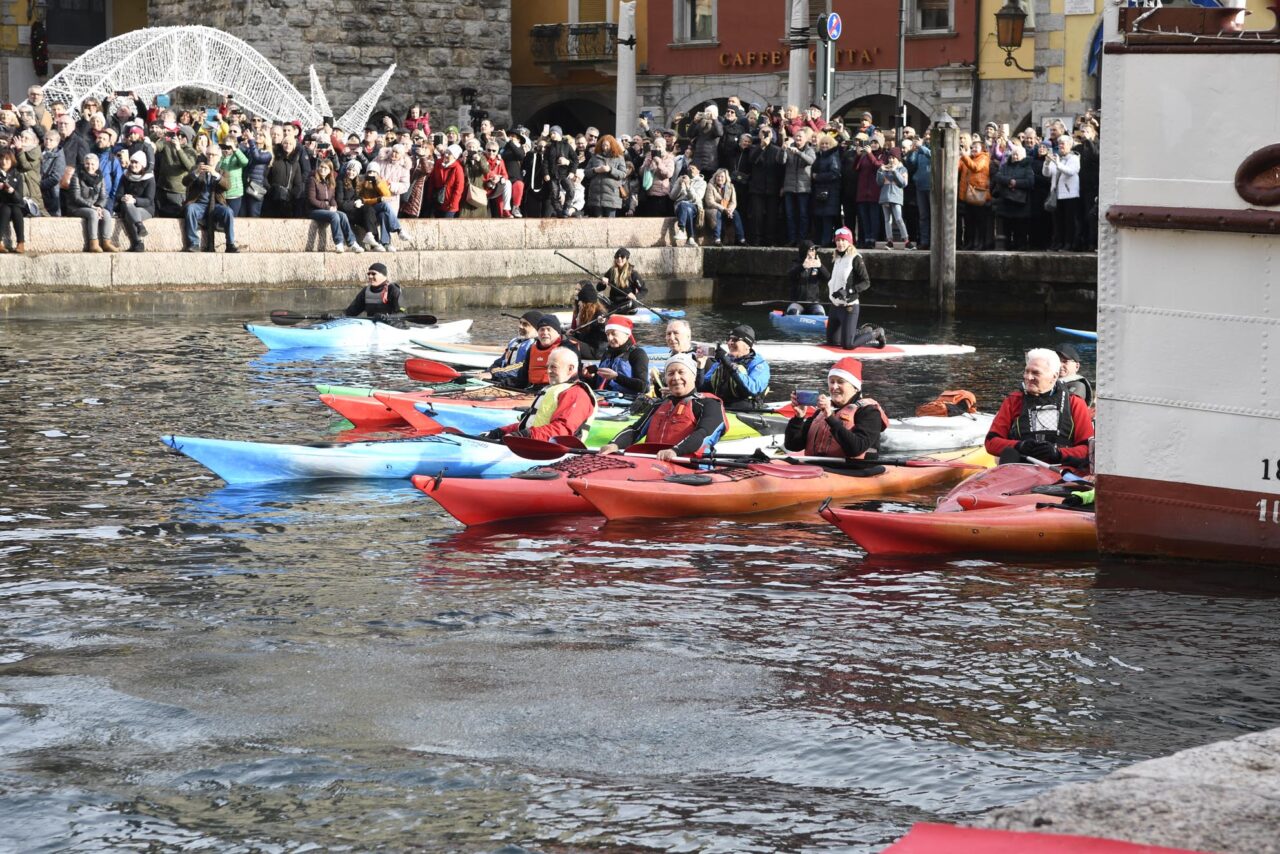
x: 447, y: 183
x: 1044, y: 421
x: 564, y: 407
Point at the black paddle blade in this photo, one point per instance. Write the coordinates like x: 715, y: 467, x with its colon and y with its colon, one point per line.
x: 421, y: 319
x: 285, y: 317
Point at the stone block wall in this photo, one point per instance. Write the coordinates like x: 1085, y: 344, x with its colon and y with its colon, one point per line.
x: 439, y: 48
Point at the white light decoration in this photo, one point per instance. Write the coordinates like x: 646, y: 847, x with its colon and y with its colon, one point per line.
x: 156, y: 60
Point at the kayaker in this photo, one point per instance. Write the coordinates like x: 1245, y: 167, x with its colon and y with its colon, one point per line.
x: 736, y: 373
x: 517, y: 348
x: 379, y: 297
x: 679, y: 338
x: 564, y: 407
x: 623, y: 283
x: 686, y: 419
x: 532, y: 372
x: 587, y: 327
x: 1044, y: 420
x: 1076, y: 384
x: 849, y: 279
x: 808, y: 281
x: 845, y: 423
x: 624, y: 366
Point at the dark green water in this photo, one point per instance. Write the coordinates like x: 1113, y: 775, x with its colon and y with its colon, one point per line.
x: 341, y: 666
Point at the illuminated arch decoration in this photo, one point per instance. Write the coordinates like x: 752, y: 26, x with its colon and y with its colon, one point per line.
x: 156, y: 60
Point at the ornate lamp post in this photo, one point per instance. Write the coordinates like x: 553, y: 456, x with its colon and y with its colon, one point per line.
x: 1010, y: 21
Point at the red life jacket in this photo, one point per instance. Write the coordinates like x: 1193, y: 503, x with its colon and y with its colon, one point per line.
x: 820, y: 442
x: 672, y: 421
x: 537, y: 361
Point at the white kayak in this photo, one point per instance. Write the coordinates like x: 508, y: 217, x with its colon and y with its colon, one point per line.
x: 919, y: 433
x: 642, y: 315
x: 481, y: 356
x: 352, y: 333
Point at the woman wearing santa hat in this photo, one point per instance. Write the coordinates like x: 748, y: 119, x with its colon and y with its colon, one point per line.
x: 624, y: 367
x: 844, y: 423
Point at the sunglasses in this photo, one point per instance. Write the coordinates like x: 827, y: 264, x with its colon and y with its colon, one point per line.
x: 734, y: 339
x: 370, y: 274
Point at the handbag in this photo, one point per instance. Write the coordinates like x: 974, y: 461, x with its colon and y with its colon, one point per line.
x: 440, y: 196
x: 976, y: 195
x: 475, y: 197
x: 254, y: 190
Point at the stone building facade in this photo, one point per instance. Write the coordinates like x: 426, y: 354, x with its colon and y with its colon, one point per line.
x: 440, y: 49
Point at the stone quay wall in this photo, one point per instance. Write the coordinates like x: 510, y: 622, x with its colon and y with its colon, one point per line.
x: 439, y: 48
x: 461, y: 264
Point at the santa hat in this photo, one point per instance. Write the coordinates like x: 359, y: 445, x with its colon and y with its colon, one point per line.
x: 848, y: 369
x: 620, y: 322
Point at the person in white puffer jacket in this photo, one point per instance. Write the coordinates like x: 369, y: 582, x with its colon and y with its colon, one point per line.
x: 1062, y: 168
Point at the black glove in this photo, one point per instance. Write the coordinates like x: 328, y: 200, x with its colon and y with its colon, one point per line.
x: 326, y: 316
x: 840, y: 294
x: 378, y: 318
x: 494, y: 435
x: 722, y: 356
x: 1040, y: 450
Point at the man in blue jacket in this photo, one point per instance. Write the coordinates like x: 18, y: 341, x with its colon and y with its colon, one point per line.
x: 919, y: 160
x: 736, y: 374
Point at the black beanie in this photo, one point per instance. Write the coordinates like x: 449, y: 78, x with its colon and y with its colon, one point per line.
x: 624, y: 252
x: 552, y: 321
x: 587, y: 292
x: 745, y: 333
x: 531, y: 317
x: 378, y: 268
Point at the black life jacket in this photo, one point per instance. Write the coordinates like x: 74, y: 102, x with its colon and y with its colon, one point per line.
x: 1046, y: 417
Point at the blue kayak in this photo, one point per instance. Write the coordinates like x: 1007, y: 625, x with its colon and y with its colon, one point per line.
x: 798, y: 322
x: 265, y: 462
x: 351, y: 333
x: 1078, y: 333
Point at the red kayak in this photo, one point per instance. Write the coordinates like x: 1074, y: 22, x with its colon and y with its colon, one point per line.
x: 396, y: 409
x: 1002, y: 486
x: 945, y: 839
x: 541, y: 491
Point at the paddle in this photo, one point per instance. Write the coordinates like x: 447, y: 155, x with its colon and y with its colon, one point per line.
x: 913, y: 462
x: 807, y: 302
x: 285, y: 317
x: 430, y: 371
x: 535, y: 449
x: 632, y: 297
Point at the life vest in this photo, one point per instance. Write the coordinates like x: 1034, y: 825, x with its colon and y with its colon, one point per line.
x: 543, y: 408
x: 1085, y: 392
x: 821, y: 442
x: 375, y: 296
x: 1046, y: 417
x: 724, y: 387
x: 620, y: 362
x: 515, y: 352
x: 671, y: 422
x: 537, y: 359
x: 949, y: 403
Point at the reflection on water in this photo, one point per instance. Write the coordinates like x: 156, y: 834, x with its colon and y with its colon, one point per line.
x: 337, y: 664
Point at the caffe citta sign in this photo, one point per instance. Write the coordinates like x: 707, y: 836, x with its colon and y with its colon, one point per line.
x: 853, y: 56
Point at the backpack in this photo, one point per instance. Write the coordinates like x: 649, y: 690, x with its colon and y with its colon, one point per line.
x: 949, y: 404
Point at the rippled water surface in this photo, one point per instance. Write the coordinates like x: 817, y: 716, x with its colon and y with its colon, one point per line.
x: 340, y: 665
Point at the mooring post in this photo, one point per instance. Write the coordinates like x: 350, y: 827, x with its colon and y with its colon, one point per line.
x: 942, y: 224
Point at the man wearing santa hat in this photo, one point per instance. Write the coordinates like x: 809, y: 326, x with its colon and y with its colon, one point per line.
x: 844, y: 423
x: 624, y: 367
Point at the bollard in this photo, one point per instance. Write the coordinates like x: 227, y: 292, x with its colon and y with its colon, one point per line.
x: 944, y: 141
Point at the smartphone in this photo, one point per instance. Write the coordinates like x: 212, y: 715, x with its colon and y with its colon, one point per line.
x: 546, y: 129
x: 211, y: 116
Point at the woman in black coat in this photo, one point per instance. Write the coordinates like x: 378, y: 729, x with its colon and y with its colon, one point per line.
x: 136, y: 200
x: 1013, y: 187
x: 808, y: 278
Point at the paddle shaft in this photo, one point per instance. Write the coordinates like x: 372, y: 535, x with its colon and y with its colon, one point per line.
x: 632, y: 297
x: 807, y: 302
x: 285, y: 317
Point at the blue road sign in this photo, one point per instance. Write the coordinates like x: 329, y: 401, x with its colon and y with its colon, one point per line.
x: 834, y: 26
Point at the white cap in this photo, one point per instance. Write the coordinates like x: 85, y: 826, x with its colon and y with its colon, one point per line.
x: 683, y: 359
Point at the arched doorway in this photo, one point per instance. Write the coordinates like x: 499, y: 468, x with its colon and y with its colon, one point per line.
x: 881, y: 108
x: 573, y: 116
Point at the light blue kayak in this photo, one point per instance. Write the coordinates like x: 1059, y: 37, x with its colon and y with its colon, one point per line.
x: 798, y: 322
x: 265, y: 462
x: 352, y: 333
x: 1078, y: 333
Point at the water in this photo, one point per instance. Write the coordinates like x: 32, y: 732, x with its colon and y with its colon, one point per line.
x: 341, y: 666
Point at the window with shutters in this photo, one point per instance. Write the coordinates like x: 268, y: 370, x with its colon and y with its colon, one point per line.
x: 931, y: 16
x: 592, y: 11
x: 695, y: 20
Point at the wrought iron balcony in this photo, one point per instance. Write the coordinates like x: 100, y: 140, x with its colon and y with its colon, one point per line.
x: 561, y: 45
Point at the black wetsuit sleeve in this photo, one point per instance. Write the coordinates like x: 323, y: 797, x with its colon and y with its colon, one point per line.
x: 357, y: 305
x: 628, y: 437
x: 710, y: 419
x: 393, y: 299
x: 638, y: 287
x: 865, y: 435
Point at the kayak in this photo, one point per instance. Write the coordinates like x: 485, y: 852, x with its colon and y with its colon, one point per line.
x: 540, y: 491
x: 239, y: 462
x: 771, y: 351
x: 475, y: 420
x: 642, y: 315
x: 731, y: 492
x: 798, y: 322
x: 917, y: 433
x: 1078, y: 333
x: 370, y: 408
x: 1011, y: 508
x: 926, y: 838
x: 351, y: 333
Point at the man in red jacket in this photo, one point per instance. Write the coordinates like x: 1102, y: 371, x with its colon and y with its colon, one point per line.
x: 564, y: 408
x: 1044, y: 421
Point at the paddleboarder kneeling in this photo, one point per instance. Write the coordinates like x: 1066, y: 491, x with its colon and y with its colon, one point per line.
x: 378, y: 299
x: 564, y: 408
x: 849, y: 279
x: 844, y: 423
x: 689, y: 421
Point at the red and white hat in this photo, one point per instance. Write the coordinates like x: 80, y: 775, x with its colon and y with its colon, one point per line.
x: 848, y: 369
x: 845, y: 233
x: 620, y: 322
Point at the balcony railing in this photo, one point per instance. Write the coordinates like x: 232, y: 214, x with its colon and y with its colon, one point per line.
x: 570, y: 44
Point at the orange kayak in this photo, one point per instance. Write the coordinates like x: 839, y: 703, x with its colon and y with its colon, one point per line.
x: 731, y: 492
x: 1024, y: 528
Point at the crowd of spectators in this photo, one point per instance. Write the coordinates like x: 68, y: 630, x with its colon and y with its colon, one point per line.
x: 752, y: 175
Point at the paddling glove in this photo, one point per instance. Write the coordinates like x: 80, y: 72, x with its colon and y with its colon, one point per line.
x: 495, y: 434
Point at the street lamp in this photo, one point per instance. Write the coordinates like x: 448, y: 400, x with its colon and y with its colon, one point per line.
x: 1010, y: 21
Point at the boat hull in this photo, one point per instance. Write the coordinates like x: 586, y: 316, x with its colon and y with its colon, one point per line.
x: 799, y: 323
x: 351, y: 333
x: 1021, y: 529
